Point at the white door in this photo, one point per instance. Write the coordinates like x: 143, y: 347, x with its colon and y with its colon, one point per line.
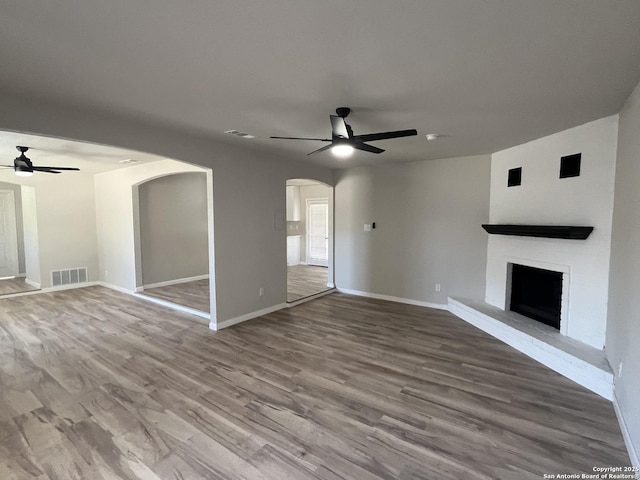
x: 8, y: 235
x: 318, y: 232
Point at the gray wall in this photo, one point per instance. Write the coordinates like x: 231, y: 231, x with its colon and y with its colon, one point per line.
x: 173, y: 227
x: 428, y: 217
x: 623, y: 324
x: 17, y: 195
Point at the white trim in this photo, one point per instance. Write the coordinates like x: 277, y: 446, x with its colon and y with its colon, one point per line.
x: 171, y: 305
x: 174, y: 282
x: 50, y: 289
x: 115, y: 287
x: 574, y: 368
x: 409, y: 301
x: 69, y: 286
x: 331, y: 285
x: 634, y: 456
x: 164, y: 303
x: 310, y: 297
x: 246, y: 316
x: 32, y: 283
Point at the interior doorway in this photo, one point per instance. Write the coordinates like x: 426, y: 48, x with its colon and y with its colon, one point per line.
x: 15, y: 245
x: 318, y: 232
x: 309, y: 238
x: 173, y: 225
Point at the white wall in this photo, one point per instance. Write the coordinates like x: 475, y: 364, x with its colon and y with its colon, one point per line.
x: 116, y: 220
x: 623, y: 326
x: 31, y: 247
x: 545, y: 199
x: 174, y: 230
x: 67, y: 225
x: 64, y: 219
x: 428, y: 216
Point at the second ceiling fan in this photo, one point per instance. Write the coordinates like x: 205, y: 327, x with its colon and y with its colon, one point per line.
x: 343, y: 141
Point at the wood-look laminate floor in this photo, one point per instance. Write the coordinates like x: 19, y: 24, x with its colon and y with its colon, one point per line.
x: 15, y: 285
x: 190, y: 294
x: 305, y: 280
x: 96, y: 384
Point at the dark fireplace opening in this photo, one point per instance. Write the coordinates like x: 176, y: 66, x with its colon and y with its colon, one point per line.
x: 537, y: 294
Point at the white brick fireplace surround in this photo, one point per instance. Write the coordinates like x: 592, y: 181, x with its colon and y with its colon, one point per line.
x: 545, y: 199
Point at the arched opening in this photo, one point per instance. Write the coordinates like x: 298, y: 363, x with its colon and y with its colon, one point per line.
x: 172, y: 229
x: 309, y: 239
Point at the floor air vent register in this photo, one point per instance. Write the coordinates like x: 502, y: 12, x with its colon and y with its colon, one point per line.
x: 68, y: 277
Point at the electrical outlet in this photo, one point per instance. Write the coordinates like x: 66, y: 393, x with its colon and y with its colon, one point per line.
x: 437, y: 287
x: 367, y: 227
x: 261, y: 291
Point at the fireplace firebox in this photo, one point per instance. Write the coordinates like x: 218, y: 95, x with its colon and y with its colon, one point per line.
x: 537, y: 294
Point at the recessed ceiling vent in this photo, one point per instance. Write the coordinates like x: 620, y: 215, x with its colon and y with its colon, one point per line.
x: 68, y: 277
x: 239, y: 134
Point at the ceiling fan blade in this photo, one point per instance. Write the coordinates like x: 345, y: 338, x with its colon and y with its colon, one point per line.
x: 44, y: 169
x: 366, y: 148
x: 370, y: 137
x: 322, y: 149
x: 339, y: 127
x: 300, y: 138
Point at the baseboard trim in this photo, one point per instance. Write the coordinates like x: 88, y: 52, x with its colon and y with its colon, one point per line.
x: 309, y: 298
x: 158, y: 301
x: 634, y: 456
x: 173, y: 306
x: 175, y: 282
x: 390, y: 298
x: 115, y: 287
x: 32, y: 283
x: 50, y: 289
x: 246, y: 316
x: 331, y: 285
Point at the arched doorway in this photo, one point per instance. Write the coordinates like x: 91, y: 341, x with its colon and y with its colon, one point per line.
x: 309, y: 238
x: 173, y: 239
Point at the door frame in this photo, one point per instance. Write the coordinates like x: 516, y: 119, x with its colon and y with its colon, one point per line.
x: 309, y: 202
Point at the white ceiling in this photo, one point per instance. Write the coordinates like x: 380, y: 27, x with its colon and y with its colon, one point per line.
x: 46, y: 151
x: 488, y: 74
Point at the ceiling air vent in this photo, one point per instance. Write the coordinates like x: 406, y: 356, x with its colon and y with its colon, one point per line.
x: 239, y: 134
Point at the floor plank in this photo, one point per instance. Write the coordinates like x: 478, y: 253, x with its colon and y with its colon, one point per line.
x: 15, y: 285
x: 305, y: 280
x: 101, y: 385
x: 188, y: 294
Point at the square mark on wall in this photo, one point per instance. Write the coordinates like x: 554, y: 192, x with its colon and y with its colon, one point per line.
x: 515, y: 177
x: 570, y: 165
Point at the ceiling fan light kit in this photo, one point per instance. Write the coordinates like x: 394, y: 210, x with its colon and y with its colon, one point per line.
x: 23, y: 167
x: 343, y: 142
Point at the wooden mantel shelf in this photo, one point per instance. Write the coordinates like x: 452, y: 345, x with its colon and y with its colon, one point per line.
x: 545, y: 231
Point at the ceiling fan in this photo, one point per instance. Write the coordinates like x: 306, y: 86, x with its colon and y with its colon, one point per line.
x: 23, y: 166
x: 343, y: 141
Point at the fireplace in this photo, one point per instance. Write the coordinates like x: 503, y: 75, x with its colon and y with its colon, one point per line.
x: 537, y: 294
